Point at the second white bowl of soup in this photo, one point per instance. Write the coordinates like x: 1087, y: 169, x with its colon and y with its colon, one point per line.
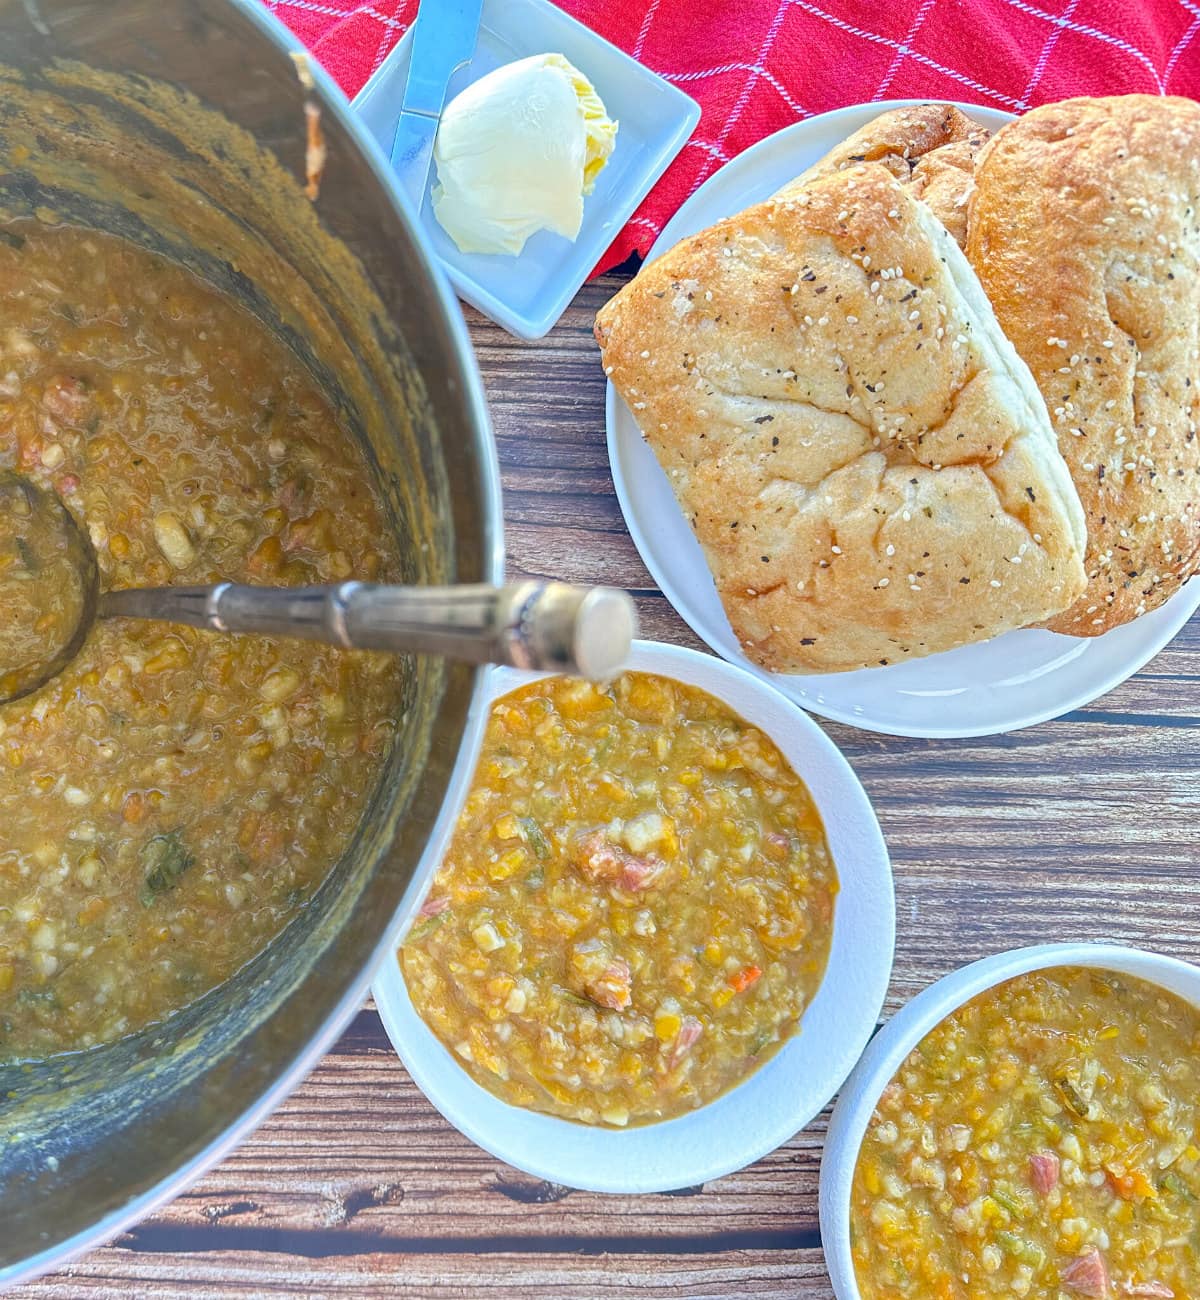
x: 661, y: 934
x: 1027, y: 1126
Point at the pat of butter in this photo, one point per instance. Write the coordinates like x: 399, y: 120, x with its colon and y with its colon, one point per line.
x: 516, y: 152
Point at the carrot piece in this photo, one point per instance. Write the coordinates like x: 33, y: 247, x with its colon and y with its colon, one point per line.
x: 744, y: 978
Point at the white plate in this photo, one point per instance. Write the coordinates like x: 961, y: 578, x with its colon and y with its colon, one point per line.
x: 527, y: 294
x: 785, y: 1093
x: 979, y: 690
x: 905, y: 1030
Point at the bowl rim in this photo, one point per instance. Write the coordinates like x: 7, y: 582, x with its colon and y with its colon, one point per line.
x: 912, y: 1022
x: 789, y: 1089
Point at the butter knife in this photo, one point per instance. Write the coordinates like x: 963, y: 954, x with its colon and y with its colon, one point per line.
x: 443, y: 39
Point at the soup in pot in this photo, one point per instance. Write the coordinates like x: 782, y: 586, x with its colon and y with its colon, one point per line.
x: 169, y: 802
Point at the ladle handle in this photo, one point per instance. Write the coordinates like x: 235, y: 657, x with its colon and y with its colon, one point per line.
x: 536, y: 625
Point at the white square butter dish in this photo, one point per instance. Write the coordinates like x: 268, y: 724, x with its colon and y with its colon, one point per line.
x: 528, y: 293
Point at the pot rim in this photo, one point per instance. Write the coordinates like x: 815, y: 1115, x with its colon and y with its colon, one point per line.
x: 334, y: 102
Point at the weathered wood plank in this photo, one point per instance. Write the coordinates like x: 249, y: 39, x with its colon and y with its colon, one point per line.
x: 502, y: 1275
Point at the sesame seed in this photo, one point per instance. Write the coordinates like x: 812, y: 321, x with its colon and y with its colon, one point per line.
x: 639, y: 406
x: 995, y: 582
x: 866, y: 261
x: 608, y: 370
x: 889, y: 549
x: 914, y: 315
x: 851, y: 320
x: 645, y: 354
x: 883, y: 582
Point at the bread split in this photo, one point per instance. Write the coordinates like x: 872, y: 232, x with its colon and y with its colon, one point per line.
x: 929, y: 147
x: 865, y: 460
x: 1085, y: 233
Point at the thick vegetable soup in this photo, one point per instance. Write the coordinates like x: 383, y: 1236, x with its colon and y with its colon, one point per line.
x: 636, y: 909
x: 170, y: 801
x: 1044, y: 1140
x: 42, y: 585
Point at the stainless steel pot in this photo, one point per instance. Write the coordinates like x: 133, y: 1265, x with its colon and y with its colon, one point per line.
x: 182, y: 124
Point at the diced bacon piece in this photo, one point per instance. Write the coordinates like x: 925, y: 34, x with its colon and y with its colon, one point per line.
x: 1043, y: 1172
x: 685, y: 1040
x: 613, y: 987
x: 65, y: 397
x: 1087, y: 1275
x: 433, y: 906
x: 598, y: 860
x: 1160, y: 1290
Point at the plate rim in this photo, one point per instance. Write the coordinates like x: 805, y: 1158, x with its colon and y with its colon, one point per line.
x: 1185, y: 604
x: 864, y: 973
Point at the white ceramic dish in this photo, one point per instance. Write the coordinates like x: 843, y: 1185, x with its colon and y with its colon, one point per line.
x: 906, y: 1029
x: 1013, y: 681
x: 527, y: 294
x: 785, y: 1093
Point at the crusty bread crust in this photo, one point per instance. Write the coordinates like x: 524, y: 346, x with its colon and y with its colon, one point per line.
x: 864, y: 458
x: 1085, y: 232
x: 930, y: 147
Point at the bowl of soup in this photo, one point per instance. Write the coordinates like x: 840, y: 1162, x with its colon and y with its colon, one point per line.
x: 1027, y: 1126
x: 660, y: 934
x: 224, y: 349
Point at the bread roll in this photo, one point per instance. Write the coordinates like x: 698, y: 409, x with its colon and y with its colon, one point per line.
x: 1085, y: 232
x: 864, y: 458
x: 930, y: 147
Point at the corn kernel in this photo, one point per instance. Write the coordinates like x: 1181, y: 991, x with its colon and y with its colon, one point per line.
x: 666, y: 1026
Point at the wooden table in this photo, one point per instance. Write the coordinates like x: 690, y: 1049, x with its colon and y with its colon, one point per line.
x: 1085, y: 828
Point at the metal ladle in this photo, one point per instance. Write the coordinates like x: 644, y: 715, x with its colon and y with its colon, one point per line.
x: 548, y: 626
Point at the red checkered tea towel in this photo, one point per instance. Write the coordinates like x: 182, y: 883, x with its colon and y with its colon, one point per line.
x: 756, y: 65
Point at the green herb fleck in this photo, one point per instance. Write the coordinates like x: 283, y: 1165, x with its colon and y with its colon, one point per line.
x: 536, y: 879
x: 46, y: 997
x: 1171, y: 1182
x: 164, y: 859
x: 1006, y: 1197
x: 535, y: 837
x: 1072, y: 1099
x: 425, y: 927
x: 28, y: 559
x: 1028, y: 1252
